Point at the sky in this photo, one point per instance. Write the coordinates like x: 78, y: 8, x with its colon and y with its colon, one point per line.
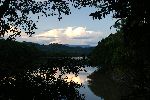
x: 76, y: 29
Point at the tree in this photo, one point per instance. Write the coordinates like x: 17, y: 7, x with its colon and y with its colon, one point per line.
x: 14, y: 14
x: 14, y: 18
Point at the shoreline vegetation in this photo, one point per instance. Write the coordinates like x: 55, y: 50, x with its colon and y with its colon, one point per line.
x: 17, y: 53
x: 119, y: 61
x: 115, y: 71
x: 118, y: 70
x: 16, y: 57
x: 18, y: 61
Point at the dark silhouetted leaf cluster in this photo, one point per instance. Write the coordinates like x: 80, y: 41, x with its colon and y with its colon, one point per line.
x: 14, y: 14
x: 39, y: 84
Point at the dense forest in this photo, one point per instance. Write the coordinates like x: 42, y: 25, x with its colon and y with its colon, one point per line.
x: 23, y: 54
x: 124, y: 61
x: 14, y: 54
x: 62, y: 50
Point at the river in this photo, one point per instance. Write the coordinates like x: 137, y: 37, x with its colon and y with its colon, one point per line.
x: 83, y: 79
x: 59, y: 79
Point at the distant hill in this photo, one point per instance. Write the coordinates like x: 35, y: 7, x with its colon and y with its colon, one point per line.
x: 56, y: 49
x: 14, y: 54
x: 83, y: 46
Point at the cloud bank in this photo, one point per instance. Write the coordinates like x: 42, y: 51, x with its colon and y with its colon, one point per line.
x: 68, y: 35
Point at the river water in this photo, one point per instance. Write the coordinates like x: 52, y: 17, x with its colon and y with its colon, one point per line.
x: 81, y: 78
x: 48, y: 81
x: 89, y: 95
x: 99, y: 87
x: 96, y: 87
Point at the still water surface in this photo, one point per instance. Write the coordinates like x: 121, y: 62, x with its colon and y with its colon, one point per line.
x: 89, y: 95
x: 82, y: 79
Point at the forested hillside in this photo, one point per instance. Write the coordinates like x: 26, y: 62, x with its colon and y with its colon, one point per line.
x: 20, y: 54
x: 15, y: 55
x: 125, y: 61
x: 108, y: 49
x: 56, y: 49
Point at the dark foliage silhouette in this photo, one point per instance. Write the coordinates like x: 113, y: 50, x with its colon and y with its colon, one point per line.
x: 24, y: 77
x: 42, y: 83
x: 125, y: 62
x: 15, y: 13
x: 133, y: 56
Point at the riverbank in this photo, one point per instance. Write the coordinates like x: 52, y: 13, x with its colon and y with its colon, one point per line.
x: 102, y: 85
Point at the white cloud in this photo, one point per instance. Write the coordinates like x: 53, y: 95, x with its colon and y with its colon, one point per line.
x: 68, y: 35
x: 75, y: 31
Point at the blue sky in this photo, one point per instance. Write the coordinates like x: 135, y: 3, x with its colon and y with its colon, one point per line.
x: 76, y: 29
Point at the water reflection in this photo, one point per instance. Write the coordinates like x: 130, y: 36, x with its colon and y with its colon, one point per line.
x: 58, y: 80
x: 41, y: 83
x: 81, y: 78
x: 103, y: 86
x: 89, y: 95
x: 76, y: 79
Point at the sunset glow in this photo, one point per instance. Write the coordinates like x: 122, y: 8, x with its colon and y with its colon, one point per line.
x: 72, y: 77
